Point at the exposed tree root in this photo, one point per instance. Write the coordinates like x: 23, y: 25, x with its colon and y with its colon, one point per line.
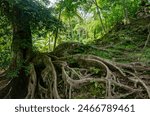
x: 82, y: 76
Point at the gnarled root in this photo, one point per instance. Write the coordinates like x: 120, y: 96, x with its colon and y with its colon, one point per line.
x: 82, y: 76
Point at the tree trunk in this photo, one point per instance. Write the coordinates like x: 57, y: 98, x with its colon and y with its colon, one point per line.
x: 57, y: 29
x: 71, y: 29
x: 21, y: 52
x: 125, y: 11
x: 99, y: 15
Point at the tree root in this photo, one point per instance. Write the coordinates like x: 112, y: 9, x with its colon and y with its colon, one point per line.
x: 82, y: 76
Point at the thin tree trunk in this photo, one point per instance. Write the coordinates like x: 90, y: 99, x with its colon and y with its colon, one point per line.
x: 99, y: 14
x: 49, y: 43
x: 57, y: 30
x: 125, y: 10
x: 71, y: 28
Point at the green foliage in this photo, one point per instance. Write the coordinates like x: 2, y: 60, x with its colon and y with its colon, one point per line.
x: 79, y: 17
x: 12, y: 73
x: 92, y: 90
x: 102, y: 21
x: 95, y: 70
x: 5, y: 43
x: 40, y: 17
x: 98, y: 89
x: 80, y: 21
x: 125, y: 43
x: 4, y: 58
x: 21, y: 67
x: 101, y: 53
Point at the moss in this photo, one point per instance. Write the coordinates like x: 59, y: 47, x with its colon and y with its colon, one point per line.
x: 92, y: 90
x: 125, y: 42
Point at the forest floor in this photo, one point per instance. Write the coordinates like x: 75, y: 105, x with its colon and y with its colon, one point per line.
x: 124, y: 49
x: 126, y: 43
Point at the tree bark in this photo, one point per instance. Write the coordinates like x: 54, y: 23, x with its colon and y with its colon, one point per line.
x: 125, y: 11
x: 21, y: 52
x: 57, y: 30
x: 99, y: 14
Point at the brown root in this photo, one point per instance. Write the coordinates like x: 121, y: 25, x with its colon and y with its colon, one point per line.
x: 75, y: 75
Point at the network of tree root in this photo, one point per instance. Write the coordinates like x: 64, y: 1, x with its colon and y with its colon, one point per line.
x: 82, y: 76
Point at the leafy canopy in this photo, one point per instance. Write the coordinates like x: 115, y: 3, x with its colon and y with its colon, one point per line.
x: 36, y: 12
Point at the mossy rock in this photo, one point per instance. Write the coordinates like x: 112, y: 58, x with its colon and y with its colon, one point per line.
x: 69, y: 48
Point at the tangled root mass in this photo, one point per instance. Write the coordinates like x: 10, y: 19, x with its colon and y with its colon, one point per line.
x: 81, y: 76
